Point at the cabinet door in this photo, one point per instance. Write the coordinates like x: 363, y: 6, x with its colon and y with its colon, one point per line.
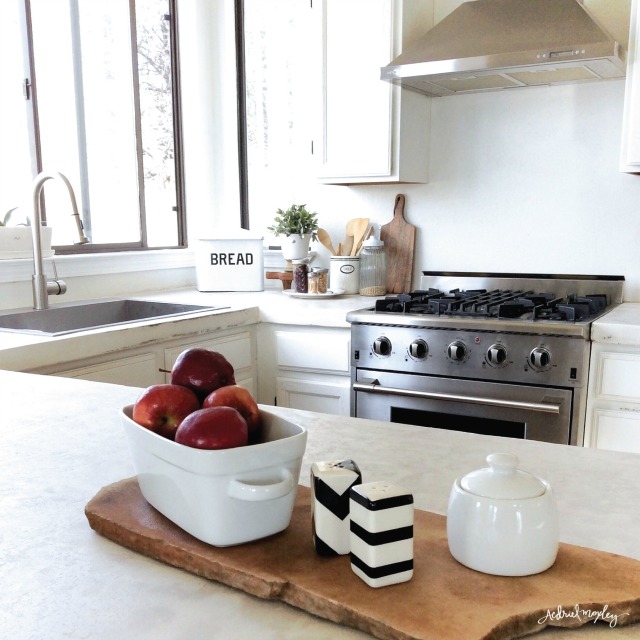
x: 327, y: 395
x: 371, y: 131
x: 630, y: 153
x: 140, y: 370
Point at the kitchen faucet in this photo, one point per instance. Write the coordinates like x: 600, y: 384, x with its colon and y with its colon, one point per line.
x: 42, y: 287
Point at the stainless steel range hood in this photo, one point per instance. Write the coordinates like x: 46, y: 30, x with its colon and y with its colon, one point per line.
x: 486, y: 45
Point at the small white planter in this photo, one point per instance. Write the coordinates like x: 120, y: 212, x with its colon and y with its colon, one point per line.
x: 295, y: 246
x: 17, y: 242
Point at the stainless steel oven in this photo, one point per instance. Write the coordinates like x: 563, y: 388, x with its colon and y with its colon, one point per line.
x: 434, y: 358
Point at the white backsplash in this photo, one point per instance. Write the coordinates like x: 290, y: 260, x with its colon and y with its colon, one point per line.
x: 522, y: 180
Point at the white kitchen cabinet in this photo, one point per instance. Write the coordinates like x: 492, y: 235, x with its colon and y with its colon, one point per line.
x: 371, y: 131
x: 305, y: 368
x: 613, y: 404
x: 630, y: 150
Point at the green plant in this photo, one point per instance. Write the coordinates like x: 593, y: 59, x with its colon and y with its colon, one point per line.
x: 296, y: 219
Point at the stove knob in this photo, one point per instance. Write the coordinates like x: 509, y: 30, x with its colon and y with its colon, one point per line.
x: 540, y: 359
x: 382, y: 346
x: 418, y: 349
x: 497, y: 355
x: 457, y: 351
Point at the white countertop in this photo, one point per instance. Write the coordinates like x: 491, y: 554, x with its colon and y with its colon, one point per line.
x: 620, y: 326
x: 62, y: 442
x: 26, y: 352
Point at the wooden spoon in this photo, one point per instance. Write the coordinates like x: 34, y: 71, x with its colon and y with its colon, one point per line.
x: 324, y: 238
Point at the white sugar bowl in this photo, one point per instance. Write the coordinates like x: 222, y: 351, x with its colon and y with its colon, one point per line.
x: 502, y: 520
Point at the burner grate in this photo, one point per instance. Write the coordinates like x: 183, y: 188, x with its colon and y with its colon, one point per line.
x: 495, y: 303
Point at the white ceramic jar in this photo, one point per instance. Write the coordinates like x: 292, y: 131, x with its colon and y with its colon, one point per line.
x: 503, y: 521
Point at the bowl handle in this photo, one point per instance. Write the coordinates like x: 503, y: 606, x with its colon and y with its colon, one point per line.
x: 256, y: 492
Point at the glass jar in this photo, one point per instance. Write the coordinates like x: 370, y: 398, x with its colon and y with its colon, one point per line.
x: 300, y: 276
x: 318, y: 280
x: 373, y: 268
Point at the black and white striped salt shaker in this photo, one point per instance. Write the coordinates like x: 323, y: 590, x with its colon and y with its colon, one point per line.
x: 381, y: 536
x: 330, y: 485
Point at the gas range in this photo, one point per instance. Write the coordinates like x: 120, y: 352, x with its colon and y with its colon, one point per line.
x: 507, y: 353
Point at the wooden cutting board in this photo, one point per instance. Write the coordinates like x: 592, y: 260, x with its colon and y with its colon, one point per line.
x: 399, y: 239
x: 443, y: 601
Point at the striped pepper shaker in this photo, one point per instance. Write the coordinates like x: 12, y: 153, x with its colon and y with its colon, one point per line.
x: 381, y: 536
x: 330, y: 485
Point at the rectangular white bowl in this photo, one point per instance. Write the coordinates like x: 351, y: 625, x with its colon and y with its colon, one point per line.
x: 223, y: 497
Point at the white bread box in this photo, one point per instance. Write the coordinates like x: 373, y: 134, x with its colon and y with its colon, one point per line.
x: 230, y: 261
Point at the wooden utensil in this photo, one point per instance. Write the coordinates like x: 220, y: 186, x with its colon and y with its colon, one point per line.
x: 347, y: 245
x: 359, y: 231
x: 399, y: 239
x: 325, y: 239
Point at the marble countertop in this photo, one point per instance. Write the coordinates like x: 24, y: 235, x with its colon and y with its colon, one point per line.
x: 620, y: 326
x: 62, y: 442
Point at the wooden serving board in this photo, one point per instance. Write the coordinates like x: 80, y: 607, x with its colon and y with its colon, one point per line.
x: 399, y: 239
x: 443, y: 601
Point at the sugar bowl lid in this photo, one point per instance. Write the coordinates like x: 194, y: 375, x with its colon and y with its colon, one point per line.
x: 502, y: 480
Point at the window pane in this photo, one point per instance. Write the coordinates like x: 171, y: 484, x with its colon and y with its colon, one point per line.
x: 156, y: 108
x: 86, y: 113
x: 282, y: 96
x: 15, y: 167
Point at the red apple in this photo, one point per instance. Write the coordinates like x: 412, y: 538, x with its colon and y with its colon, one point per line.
x: 202, y: 371
x: 238, y: 398
x: 162, y: 407
x: 213, y: 428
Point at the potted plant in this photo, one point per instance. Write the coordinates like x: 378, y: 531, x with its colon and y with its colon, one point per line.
x: 17, y: 241
x: 299, y: 227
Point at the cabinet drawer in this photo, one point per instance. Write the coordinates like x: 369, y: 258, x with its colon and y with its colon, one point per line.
x: 137, y: 371
x: 313, y: 350
x: 619, y: 376
x: 236, y: 349
x: 616, y: 430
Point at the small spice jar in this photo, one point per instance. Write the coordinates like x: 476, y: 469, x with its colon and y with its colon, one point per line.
x: 301, y: 276
x: 318, y: 280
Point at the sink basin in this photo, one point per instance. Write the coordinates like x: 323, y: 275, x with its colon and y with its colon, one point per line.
x: 56, y: 321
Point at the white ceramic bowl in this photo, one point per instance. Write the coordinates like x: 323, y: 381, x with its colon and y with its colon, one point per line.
x: 503, y: 521
x: 222, y: 497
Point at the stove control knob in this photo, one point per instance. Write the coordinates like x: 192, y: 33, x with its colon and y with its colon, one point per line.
x: 382, y: 346
x: 540, y: 359
x: 497, y: 355
x: 418, y: 349
x: 457, y: 351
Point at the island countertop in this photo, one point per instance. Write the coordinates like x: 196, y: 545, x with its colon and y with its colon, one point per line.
x: 62, y: 442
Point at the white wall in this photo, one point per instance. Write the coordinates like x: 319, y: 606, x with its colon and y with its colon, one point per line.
x: 521, y: 181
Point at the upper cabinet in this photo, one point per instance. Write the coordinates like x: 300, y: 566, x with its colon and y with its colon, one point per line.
x: 630, y: 156
x: 371, y: 131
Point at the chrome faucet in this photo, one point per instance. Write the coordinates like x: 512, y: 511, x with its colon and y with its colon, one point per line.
x: 43, y: 288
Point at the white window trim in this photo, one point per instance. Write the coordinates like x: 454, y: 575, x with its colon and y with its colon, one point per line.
x: 97, y: 264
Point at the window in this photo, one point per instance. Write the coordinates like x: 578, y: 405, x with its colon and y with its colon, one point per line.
x: 102, y: 109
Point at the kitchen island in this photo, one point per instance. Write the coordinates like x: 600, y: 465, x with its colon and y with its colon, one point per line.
x: 62, y: 442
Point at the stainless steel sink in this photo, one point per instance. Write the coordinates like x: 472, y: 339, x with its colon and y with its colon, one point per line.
x: 59, y: 320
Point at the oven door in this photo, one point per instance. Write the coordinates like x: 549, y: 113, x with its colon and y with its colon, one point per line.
x: 511, y: 410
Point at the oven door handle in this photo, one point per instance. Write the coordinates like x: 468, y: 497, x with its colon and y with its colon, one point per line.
x: 452, y: 397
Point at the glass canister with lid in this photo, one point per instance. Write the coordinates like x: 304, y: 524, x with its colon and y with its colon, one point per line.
x: 373, y: 268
